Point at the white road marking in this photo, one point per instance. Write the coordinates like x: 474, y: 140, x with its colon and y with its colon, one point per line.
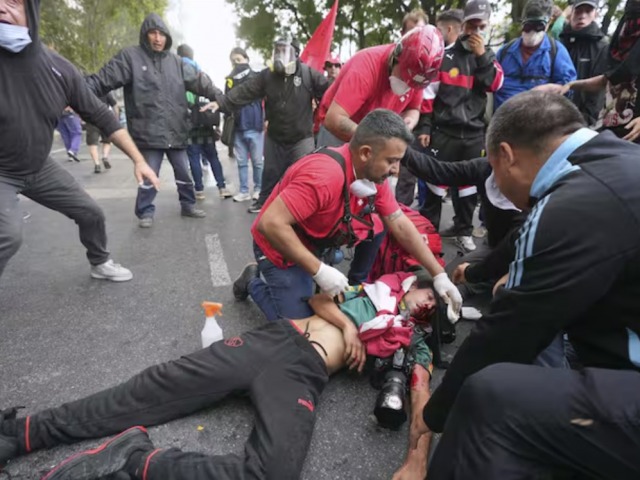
x: 58, y: 150
x: 217, y: 264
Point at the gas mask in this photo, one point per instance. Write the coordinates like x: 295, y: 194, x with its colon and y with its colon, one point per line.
x: 284, y: 58
x: 14, y: 38
x: 398, y: 86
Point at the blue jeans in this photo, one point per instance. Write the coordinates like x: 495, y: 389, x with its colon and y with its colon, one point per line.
x: 554, y: 356
x: 249, y: 143
x: 209, y: 152
x: 281, y: 292
x: 146, y: 193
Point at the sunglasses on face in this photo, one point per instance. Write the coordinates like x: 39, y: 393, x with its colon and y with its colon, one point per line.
x: 329, y: 65
x: 533, y: 27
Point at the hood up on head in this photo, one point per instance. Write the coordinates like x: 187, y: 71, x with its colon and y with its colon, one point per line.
x: 32, y: 8
x: 591, y: 31
x: 153, y: 21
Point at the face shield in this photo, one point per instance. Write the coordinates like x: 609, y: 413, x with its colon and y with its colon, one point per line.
x: 284, y: 58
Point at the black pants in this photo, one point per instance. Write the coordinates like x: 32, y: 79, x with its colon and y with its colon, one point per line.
x: 280, y: 370
x: 277, y: 158
x: 517, y: 422
x: 452, y: 149
x: 55, y: 188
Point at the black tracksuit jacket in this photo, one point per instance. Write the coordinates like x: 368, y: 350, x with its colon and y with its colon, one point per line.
x: 577, y: 270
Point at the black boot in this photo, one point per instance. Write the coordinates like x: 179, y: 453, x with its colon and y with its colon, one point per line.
x: 8, y: 439
x: 241, y: 285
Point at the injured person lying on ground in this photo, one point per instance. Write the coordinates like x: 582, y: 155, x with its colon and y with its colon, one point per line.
x: 283, y: 366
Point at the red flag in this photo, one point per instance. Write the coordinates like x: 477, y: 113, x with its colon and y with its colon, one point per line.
x: 319, y: 45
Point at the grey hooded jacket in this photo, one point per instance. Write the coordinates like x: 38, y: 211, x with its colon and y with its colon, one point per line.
x: 155, y: 85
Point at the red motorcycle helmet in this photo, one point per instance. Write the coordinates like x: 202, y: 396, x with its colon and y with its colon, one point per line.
x: 419, y: 55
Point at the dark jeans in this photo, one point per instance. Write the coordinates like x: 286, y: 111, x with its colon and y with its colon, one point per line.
x: 451, y: 149
x: 363, y: 258
x: 210, y: 153
x: 281, y: 292
x: 517, y: 422
x: 146, y: 192
x: 280, y: 370
x: 55, y: 188
x: 70, y: 130
x: 277, y: 158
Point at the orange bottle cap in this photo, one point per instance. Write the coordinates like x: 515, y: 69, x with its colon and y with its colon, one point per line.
x: 212, y: 308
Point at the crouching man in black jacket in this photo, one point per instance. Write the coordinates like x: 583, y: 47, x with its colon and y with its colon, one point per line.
x: 481, y: 269
x: 576, y: 269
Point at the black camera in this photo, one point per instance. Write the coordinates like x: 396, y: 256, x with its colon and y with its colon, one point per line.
x: 390, y: 376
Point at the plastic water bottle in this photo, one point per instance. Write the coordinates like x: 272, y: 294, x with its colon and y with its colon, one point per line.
x: 211, y: 332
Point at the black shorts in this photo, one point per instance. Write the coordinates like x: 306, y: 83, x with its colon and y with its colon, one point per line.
x: 95, y: 136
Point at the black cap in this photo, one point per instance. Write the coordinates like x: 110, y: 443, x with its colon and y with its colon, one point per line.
x: 537, y: 11
x: 480, y: 9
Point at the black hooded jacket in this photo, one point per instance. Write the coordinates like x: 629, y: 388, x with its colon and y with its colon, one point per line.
x: 36, y: 85
x: 588, y: 51
x: 155, y: 85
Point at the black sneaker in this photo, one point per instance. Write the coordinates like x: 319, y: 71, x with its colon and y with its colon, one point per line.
x: 255, y: 207
x: 106, y: 164
x: 109, y: 458
x: 97, y: 169
x: 452, y: 231
x: 8, y: 443
x: 241, y: 285
x: 73, y: 156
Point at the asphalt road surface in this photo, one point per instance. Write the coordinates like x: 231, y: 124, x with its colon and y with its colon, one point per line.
x: 65, y: 335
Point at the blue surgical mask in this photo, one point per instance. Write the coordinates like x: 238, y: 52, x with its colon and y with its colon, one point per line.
x: 14, y: 37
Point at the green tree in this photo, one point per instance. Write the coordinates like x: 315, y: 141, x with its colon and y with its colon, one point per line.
x: 90, y: 32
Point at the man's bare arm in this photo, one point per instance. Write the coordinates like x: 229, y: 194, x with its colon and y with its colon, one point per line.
x: 407, y: 235
x: 276, y: 224
x: 411, y: 118
x: 141, y: 169
x: 415, y: 464
x: 338, y: 122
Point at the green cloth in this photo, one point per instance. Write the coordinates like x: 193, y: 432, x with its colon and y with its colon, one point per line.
x: 360, y: 309
x: 556, y: 28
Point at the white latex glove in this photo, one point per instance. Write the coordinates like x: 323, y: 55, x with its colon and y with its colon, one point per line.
x: 450, y: 294
x: 330, y: 280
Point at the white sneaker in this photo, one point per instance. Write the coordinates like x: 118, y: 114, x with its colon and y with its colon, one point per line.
x: 467, y: 243
x: 110, y: 270
x: 480, y: 232
x: 242, y: 197
x: 256, y: 195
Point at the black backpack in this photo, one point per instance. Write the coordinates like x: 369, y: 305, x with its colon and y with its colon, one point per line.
x: 206, y: 119
x: 554, y: 53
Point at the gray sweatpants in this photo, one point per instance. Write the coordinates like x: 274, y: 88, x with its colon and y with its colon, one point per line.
x: 55, y: 188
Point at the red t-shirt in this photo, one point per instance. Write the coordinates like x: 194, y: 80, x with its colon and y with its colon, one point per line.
x: 312, y: 190
x: 363, y: 85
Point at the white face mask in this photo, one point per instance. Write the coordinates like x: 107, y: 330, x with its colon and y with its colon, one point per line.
x: 398, y: 86
x: 14, y: 38
x: 531, y: 39
x: 363, y: 188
